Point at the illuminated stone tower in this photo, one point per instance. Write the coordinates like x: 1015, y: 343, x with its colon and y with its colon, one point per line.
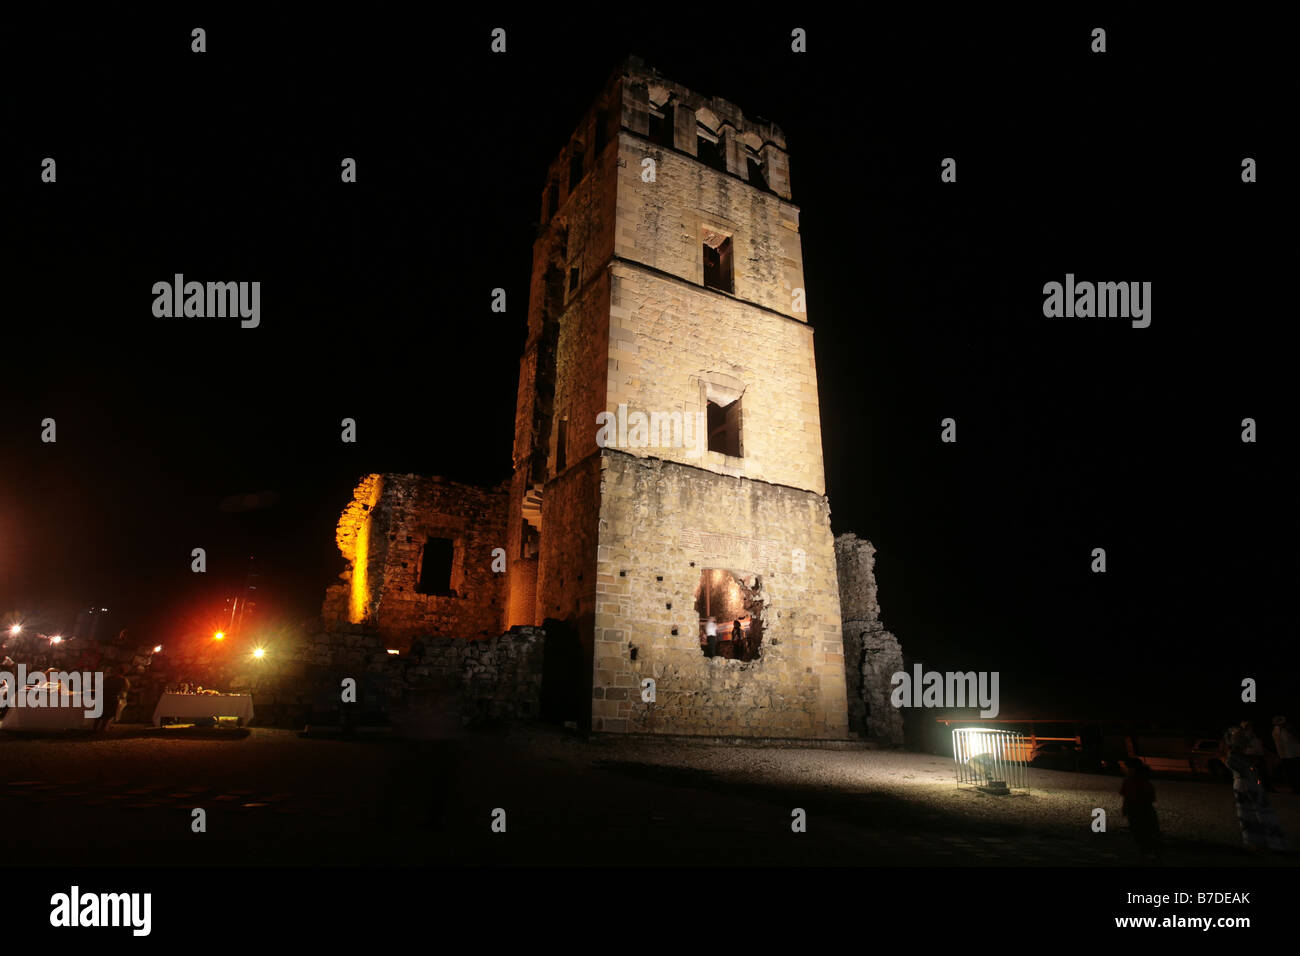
x: 667, y: 292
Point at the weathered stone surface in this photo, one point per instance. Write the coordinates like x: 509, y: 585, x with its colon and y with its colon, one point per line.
x: 607, y: 542
x: 872, y: 654
x: 393, y: 517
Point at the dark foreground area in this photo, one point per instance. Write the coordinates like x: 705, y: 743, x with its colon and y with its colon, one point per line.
x: 273, y: 797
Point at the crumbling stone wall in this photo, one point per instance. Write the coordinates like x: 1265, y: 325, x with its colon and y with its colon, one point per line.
x: 872, y: 654
x: 399, y: 514
x: 499, y: 677
x: 661, y: 525
x: 466, y: 681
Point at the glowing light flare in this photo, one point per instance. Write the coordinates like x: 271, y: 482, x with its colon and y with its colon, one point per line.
x: 16, y: 629
x: 219, y: 636
x: 157, y: 649
x: 259, y: 652
x: 56, y: 639
x: 978, y: 742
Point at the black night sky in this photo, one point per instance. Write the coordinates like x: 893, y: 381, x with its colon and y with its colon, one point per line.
x: 926, y: 299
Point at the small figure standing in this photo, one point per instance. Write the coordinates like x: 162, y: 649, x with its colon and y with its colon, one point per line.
x: 1140, y: 808
x: 711, y: 638
x: 1258, y: 756
x: 1259, y: 826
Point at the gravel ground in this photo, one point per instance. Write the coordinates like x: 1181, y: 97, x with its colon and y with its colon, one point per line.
x: 273, y: 797
x: 1189, y: 809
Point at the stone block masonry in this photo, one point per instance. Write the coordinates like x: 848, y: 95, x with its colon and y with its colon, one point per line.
x: 662, y: 525
x: 667, y: 281
x: 498, y: 678
x: 397, y: 528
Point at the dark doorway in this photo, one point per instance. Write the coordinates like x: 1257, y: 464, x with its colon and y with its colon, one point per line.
x: 564, y: 683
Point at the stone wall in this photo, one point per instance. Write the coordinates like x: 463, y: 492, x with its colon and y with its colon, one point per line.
x: 662, y: 223
x: 872, y: 654
x: 300, y: 679
x: 662, y: 524
x: 721, y: 348
x: 400, y: 514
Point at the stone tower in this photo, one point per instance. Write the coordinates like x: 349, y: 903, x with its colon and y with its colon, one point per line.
x: 667, y: 455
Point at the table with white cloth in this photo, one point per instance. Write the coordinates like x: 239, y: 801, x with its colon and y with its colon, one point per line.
x: 203, y: 705
x: 69, y: 714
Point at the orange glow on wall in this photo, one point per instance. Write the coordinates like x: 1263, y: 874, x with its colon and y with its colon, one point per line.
x: 353, y: 537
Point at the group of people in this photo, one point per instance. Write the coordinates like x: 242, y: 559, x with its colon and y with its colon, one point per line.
x: 741, y: 641
x: 1244, y: 755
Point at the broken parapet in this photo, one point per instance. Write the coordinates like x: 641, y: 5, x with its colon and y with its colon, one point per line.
x: 872, y: 655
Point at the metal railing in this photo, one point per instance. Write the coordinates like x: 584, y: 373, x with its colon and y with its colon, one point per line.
x: 993, y: 761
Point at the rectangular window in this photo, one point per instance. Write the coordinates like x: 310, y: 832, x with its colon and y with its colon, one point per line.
x: 661, y: 125
x: 711, y: 153
x: 528, y: 542
x: 756, y: 177
x: 724, y: 428
x: 435, y: 568
x: 717, y: 261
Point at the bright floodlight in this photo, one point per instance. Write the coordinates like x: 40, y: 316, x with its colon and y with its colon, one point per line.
x: 990, y: 760
x: 157, y: 648
x: 15, y: 629
x: 220, y: 635
x: 260, y: 652
x: 55, y: 639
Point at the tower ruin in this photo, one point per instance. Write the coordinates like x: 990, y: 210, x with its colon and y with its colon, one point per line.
x: 667, y: 454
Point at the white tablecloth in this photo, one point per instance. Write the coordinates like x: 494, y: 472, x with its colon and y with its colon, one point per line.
x: 70, y: 716
x: 203, y: 705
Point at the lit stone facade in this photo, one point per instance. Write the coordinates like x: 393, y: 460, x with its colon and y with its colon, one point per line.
x: 625, y: 312
x: 666, y: 295
x: 390, y: 522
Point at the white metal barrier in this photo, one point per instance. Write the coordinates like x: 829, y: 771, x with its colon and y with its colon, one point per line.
x: 993, y: 761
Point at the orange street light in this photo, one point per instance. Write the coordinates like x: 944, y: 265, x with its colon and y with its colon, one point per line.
x: 220, y: 635
x: 259, y: 652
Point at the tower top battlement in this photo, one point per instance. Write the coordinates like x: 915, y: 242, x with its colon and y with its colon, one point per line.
x: 711, y: 111
x: 640, y: 101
